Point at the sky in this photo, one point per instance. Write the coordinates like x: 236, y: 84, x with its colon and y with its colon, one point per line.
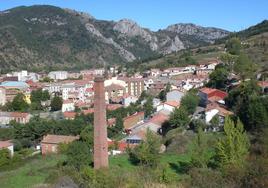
x: 232, y: 15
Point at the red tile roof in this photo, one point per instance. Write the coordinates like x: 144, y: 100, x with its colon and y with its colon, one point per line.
x: 69, y: 115
x: 136, y: 114
x: 114, y: 87
x: 263, y: 84
x: 173, y: 103
x: 89, y: 111
x: 113, y: 106
x: 222, y: 111
x: 214, y: 93
x: 89, y: 90
x: 159, y: 118
x: 5, y: 144
x: 56, y: 139
x: 19, y: 114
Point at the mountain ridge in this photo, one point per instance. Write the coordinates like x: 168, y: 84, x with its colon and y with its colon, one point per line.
x: 75, y: 40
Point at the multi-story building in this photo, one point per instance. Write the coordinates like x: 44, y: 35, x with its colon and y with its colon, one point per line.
x: 135, y: 86
x: 19, y: 117
x: 58, y: 75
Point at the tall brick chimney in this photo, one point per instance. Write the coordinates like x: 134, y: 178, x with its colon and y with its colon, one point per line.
x: 100, y: 127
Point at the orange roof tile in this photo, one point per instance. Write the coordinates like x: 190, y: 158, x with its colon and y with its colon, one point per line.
x: 56, y: 139
x: 159, y: 118
x: 263, y: 83
x: 5, y: 144
x: 69, y: 114
x: 173, y: 103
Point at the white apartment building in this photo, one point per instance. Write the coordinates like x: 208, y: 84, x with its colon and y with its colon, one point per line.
x: 58, y: 75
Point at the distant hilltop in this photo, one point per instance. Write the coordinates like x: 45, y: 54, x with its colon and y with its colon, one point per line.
x: 42, y: 37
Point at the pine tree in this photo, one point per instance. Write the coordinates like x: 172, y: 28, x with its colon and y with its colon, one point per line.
x: 234, y: 147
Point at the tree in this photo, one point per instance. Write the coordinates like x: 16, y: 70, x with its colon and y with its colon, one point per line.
x: 233, y: 46
x: 119, y: 125
x: 56, y: 103
x: 19, y: 103
x: 78, y: 154
x: 148, y: 107
x: 244, y: 66
x: 86, y: 135
x: 37, y: 96
x: 179, y: 118
x: 163, y: 93
x: 228, y: 60
x: 249, y: 105
x: 147, y: 153
x: 200, y: 151
x: 47, y: 79
x: 4, y: 157
x: 190, y: 102
x: 218, y: 78
x: 215, y: 121
x: 234, y: 147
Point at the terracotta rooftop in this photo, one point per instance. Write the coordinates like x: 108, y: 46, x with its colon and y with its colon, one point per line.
x: 207, y: 90
x: 69, y: 114
x: 19, y: 114
x: 56, y: 139
x: 263, y: 83
x: 214, y: 92
x: 67, y: 101
x: 113, y: 106
x: 133, y: 115
x: 89, y: 111
x: 114, y: 87
x: 159, y: 118
x: 222, y: 111
x: 5, y: 144
x: 172, y: 103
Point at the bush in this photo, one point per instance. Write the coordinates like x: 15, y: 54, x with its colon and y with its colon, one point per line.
x: 4, y: 157
x: 78, y: 154
x: 147, y: 153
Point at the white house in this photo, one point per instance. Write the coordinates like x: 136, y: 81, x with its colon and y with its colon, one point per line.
x: 53, y: 88
x: 67, y: 106
x: 155, y: 72
x: 128, y: 100
x: 148, y: 83
x: 168, y: 106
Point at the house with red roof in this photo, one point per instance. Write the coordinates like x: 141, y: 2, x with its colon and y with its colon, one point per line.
x: 130, y: 121
x: 208, y: 95
x: 50, y: 143
x: 7, y: 145
x: 67, y: 106
x: 168, y: 106
x: 19, y: 117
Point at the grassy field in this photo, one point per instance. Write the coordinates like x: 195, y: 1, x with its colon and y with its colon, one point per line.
x: 174, y: 163
x: 35, y: 172
x: 32, y: 173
